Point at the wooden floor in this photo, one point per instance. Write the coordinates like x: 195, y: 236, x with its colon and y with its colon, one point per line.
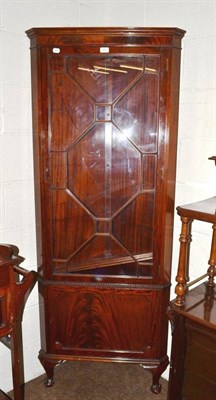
x: 96, y: 381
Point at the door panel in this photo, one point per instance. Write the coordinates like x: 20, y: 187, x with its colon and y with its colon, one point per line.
x: 108, y: 165
x: 103, y: 143
x: 136, y: 113
x: 72, y: 112
x: 104, y: 321
x: 104, y: 78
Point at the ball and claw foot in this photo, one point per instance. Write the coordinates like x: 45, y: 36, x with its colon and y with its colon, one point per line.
x: 156, y: 388
x: 49, y: 382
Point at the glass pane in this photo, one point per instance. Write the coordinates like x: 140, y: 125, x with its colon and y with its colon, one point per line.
x: 72, y: 226
x: 136, y: 113
x: 105, y: 78
x: 72, y: 112
x: 104, y: 170
x: 104, y: 126
x: 103, y: 113
x: 59, y: 170
x: 101, y: 251
x: 57, y: 63
x: 149, y: 171
x: 133, y: 226
x: 152, y: 64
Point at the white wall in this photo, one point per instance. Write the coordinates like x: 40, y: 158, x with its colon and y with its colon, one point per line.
x: 196, y: 176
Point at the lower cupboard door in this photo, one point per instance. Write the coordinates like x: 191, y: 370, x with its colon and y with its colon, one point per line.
x: 119, y: 324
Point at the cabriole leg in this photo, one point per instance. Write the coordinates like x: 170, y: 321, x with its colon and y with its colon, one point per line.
x: 156, y: 374
x: 48, y: 365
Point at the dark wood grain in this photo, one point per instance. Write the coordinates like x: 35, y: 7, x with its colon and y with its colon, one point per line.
x: 192, y: 371
x: 4, y: 396
x: 204, y: 210
x: 102, y: 322
x: 13, y: 296
x: 105, y: 136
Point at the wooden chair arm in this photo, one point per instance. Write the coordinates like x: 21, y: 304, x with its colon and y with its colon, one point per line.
x: 10, y: 272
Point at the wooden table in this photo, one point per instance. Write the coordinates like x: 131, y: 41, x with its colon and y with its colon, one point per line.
x: 193, y: 355
x: 203, y: 211
x: 193, y: 315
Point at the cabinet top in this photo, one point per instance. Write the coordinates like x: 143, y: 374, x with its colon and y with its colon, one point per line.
x: 106, y: 35
x: 200, y: 305
x: 204, y: 210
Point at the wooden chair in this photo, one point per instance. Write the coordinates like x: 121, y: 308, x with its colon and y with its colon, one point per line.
x: 13, y: 296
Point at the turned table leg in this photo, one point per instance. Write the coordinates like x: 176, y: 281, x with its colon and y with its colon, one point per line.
x: 183, y: 266
x: 212, y: 260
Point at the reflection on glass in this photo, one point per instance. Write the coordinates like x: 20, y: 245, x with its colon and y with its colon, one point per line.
x: 97, y: 67
x: 107, y: 169
x: 132, y: 67
x: 106, y: 87
x: 93, y: 70
x: 99, y: 252
x: 105, y: 114
x: 136, y: 113
x: 68, y: 120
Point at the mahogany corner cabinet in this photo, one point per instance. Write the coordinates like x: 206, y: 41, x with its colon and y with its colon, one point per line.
x: 105, y: 117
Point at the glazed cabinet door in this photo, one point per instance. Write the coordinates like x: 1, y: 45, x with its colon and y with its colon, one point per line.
x: 105, y: 109
x: 103, y: 152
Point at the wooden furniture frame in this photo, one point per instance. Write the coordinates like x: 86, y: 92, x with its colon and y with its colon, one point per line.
x: 202, y: 211
x: 13, y: 296
x: 105, y: 117
x: 193, y: 314
x: 193, y: 356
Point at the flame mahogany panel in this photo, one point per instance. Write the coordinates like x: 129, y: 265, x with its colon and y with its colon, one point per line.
x: 103, y: 322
